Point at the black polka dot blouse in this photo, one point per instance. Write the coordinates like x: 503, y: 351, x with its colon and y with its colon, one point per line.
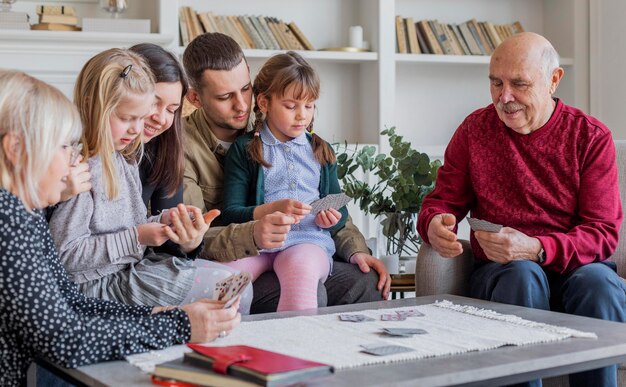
x: 42, y: 313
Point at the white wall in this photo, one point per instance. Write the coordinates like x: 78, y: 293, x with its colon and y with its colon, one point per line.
x: 607, y: 64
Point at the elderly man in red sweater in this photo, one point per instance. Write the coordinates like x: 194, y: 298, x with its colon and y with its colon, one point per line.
x: 547, y: 172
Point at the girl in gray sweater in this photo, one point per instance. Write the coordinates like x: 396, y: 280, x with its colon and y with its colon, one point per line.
x: 103, y: 235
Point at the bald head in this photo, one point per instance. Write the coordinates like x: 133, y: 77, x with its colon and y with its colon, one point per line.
x: 529, y: 50
x: 524, y: 73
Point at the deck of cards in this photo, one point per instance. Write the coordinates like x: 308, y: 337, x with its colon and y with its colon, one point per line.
x: 483, y: 225
x: 335, y: 201
x: 229, y: 288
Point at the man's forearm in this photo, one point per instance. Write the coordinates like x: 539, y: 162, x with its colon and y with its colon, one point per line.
x: 348, y: 241
x: 225, y: 244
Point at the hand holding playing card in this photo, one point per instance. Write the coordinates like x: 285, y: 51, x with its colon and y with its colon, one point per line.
x: 483, y: 225
x: 327, y: 218
x: 231, y: 287
x: 508, y: 245
x: 329, y: 201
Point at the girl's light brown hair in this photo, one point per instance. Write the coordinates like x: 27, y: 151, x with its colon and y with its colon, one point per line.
x: 102, y: 84
x: 275, y: 77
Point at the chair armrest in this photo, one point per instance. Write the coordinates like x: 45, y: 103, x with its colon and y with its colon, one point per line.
x: 435, y: 274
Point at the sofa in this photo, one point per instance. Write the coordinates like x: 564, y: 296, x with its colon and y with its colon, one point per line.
x: 437, y: 275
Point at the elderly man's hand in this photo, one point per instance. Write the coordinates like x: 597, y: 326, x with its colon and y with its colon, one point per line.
x: 365, y: 262
x: 508, y: 245
x: 442, y: 237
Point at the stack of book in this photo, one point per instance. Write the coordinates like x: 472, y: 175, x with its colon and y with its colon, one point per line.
x: 56, y: 18
x: 258, y: 32
x: 10, y: 20
x: 238, y: 365
x: 469, y: 38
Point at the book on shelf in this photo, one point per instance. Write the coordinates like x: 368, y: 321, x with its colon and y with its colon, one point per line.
x: 257, y: 32
x: 458, y: 36
x: 182, y: 26
x: 254, y: 34
x: 411, y: 33
x: 469, y: 38
x: 431, y: 40
x: 300, y: 36
x: 421, y: 39
x: 54, y: 27
x: 444, y: 42
x: 291, y: 39
x: 400, y: 35
x: 255, y: 365
x: 58, y: 19
x: 274, y: 34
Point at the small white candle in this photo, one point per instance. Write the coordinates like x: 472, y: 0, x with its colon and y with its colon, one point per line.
x: 356, y: 36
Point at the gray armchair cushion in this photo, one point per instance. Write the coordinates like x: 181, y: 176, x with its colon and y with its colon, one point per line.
x: 437, y: 275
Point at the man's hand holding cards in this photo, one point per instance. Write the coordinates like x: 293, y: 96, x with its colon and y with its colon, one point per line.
x: 483, y: 225
x: 231, y: 287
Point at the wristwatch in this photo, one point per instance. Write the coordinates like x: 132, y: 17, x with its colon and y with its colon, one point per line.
x: 541, y: 256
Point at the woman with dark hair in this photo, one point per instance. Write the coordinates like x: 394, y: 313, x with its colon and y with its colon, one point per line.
x: 162, y: 167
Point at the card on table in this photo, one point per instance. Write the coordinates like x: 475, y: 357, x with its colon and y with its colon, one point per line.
x: 392, y: 317
x: 384, y: 349
x: 355, y: 317
x: 229, y: 288
x: 409, y: 313
x: 483, y: 225
x: 335, y: 201
x: 403, y: 332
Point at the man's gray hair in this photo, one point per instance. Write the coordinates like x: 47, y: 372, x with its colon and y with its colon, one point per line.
x: 550, y: 61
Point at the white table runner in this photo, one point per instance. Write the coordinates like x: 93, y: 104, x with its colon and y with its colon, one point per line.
x: 451, y: 329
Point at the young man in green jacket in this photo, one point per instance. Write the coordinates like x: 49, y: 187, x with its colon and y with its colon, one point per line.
x: 221, y: 91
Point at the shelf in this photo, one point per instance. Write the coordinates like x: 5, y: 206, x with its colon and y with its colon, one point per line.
x: 18, y: 38
x: 456, y: 59
x: 318, y: 56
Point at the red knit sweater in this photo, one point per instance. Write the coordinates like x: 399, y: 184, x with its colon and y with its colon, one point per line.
x: 558, y: 184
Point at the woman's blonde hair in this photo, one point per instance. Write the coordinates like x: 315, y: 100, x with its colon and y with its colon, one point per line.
x: 44, y: 120
x: 104, y: 81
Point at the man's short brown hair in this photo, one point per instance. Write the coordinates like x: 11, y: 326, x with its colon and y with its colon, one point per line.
x: 210, y: 51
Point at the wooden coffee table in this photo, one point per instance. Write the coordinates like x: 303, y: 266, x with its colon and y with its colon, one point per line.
x: 500, y: 366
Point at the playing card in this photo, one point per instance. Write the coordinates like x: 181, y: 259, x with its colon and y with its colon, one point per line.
x: 403, y: 332
x: 483, y: 225
x: 409, y: 313
x: 355, y: 317
x: 392, y: 317
x: 384, y: 349
x: 229, y: 288
x: 335, y: 201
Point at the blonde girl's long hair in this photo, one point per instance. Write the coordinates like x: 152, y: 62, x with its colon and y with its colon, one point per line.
x: 44, y: 120
x: 102, y: 84
x: 275, y: 77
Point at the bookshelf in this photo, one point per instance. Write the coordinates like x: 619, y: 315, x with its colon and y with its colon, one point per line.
x: 424, y: 96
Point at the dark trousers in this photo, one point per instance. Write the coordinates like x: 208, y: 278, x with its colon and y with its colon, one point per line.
x: 346, y: 285
x: 594, y: 290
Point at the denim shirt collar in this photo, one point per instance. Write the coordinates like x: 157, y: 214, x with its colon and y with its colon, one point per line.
x: 269, y: 139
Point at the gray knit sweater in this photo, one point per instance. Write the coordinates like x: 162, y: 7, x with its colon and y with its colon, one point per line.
x: 96, y: 236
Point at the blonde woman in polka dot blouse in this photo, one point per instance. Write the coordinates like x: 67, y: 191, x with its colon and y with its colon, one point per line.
x: 42, y: 314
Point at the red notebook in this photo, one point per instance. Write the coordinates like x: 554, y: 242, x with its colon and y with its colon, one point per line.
x: 256, y: 365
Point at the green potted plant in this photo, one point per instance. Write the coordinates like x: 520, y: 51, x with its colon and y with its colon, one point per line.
x: 403, y: 177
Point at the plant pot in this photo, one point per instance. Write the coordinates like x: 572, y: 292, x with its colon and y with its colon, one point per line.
x: 397, y: 235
